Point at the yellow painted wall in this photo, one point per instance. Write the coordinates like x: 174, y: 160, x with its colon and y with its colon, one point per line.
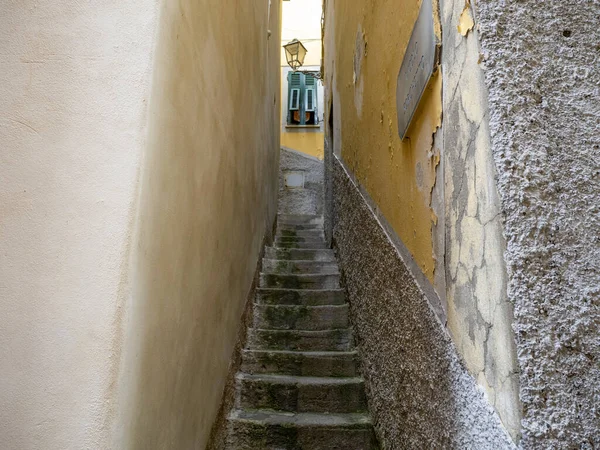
x: 310, y: 143
x: 399, y: 175
x: 208, y: 196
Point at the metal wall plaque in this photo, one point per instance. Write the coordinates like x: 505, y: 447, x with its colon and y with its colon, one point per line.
x: 417, y: 67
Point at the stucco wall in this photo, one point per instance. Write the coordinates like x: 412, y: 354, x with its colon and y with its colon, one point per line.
x: 208, y: 196
x: 365, y: 43
x: 301, y: 19
x: 74, y: 80
x: 479, y: 314
x: 138, y: 179
x: 542, y: 70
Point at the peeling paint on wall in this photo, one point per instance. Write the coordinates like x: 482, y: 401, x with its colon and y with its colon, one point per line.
x: 479, y: 314
x: 399, y: 175
x: 465, y: 21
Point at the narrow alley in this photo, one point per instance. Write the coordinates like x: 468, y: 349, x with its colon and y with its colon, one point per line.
x: 299, y: 225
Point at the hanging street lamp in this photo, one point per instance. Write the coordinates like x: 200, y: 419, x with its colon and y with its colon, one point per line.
x: 295, y: 52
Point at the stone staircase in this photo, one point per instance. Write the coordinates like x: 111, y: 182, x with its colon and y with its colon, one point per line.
x: 298, y: 387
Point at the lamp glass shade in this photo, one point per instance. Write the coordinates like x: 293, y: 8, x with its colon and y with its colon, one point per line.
x: 295, y: 53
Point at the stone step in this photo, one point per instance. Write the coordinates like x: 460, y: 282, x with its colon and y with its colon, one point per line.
x: 261, y: 430
x: 299, y: 238
x: 289, y: 317
x: 314, y: 364
x: 301, y: 245
x: 293, y: 219
x: 301, y: 340
x: 283, y: 266
x: 317, y: 233
x: 300, y: 281
x: 316, y: 242
x: 299, y: 227
x: 307, y: 297
x: 300, y: 394
x: 300, y: 254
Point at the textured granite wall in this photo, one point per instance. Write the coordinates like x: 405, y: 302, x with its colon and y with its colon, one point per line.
x: 301, y: 200
x: 328, y: 181
x: 542, y: 66
x: 420, y: 394
x: 480, y: 316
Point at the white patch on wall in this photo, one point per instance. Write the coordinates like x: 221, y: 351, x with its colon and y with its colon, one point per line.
x: 294, y: 180
x: 360, y: 52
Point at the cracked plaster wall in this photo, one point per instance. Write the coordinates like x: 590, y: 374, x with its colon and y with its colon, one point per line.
x: 542, y: 66
x: 479, y: 313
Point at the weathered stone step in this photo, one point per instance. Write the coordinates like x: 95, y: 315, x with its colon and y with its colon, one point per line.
x: 300, y: 281
x: 287, y: 266
x: 307, y: 297
x: 290, y: 317
x: 301, y: 245
x: 300, y: 394
x: 299, y: 254
x: 299, y: 227
x: 317, y: 233
x: 314, y: 364
x: 316, y: 341
x: 289, y: 219
x: 261, y: 430
x: 300, y: 238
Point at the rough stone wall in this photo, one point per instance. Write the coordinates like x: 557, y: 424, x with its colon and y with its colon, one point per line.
x: 301, y: 200
x: 542, y: 66
x: 420, y: 394
x: 479, y: 314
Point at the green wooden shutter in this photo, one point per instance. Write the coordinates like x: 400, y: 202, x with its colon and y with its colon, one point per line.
x: 310, y: 90
x: 302, y: 97
x: 294, y: 101
x: 294, y: 93
x: 295, y: 80
x: 309, y: 104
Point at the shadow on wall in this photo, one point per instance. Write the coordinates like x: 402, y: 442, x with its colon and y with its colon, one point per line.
x: 301, y: 180
x: 208, y: 197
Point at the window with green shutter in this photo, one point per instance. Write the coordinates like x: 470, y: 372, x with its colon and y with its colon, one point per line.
x: 302, y: 99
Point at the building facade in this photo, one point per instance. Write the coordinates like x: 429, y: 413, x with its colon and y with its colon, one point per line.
x: 302, y: 130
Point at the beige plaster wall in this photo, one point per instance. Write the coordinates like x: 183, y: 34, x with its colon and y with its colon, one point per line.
x: 138, y: 176
x: 301, y: 19
x: 74, y: 81
x: 208, y: 196
x: 480, y: 316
